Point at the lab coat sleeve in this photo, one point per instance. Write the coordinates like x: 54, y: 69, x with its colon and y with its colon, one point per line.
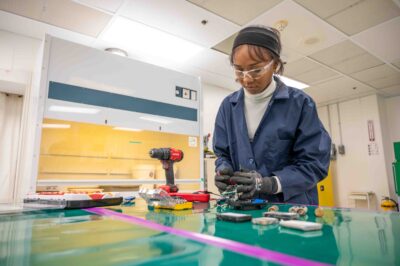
x: 221, y: 142
x: 311, y: 154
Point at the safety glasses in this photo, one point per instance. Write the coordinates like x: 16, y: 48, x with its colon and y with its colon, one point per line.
x: 253, y: 73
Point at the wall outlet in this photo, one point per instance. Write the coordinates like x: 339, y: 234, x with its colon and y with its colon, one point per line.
x: 341, y: 149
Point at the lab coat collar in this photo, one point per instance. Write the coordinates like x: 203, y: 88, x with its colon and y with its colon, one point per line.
x: 281, y: 92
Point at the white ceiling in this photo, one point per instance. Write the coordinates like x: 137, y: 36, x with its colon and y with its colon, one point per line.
x: 334, y: 46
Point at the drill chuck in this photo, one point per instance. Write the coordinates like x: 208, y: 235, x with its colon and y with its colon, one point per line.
x: 165, y: 154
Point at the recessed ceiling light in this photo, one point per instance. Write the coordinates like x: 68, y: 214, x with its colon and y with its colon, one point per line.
x: 117, y: 51
x: 145, y: 40
x: 293, y: 83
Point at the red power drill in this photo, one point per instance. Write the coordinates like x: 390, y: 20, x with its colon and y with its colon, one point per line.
x: 168, y: 156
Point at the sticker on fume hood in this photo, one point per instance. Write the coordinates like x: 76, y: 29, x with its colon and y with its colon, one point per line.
x: 193, y: 95
x: 185, y: 93
x: 193, y: 142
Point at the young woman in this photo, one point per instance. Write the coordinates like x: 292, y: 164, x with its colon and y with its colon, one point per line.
x: 268, y: 138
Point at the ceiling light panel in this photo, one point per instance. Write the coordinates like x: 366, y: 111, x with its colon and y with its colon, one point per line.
x: 336, y: 89
x: 294, y: 83
x: 61, y: 13
x: 363, y: 15
x: 137, y: 38
x: 379, y: 77
x: 381, y: 40
x: 181, y: 19
x: 305, y: 33
x: 238, y: 11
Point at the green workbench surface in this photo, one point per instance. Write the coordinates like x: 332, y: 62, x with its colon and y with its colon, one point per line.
x: 76, y: 237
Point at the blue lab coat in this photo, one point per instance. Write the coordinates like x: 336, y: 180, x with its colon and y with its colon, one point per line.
x: 290, y: 143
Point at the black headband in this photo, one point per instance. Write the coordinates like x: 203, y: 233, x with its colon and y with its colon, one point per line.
x: 260, y: 37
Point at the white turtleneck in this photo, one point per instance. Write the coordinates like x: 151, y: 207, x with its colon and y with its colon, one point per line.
x: 255, y: 106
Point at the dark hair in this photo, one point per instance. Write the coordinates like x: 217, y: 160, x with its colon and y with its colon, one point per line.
x: 257, y: 52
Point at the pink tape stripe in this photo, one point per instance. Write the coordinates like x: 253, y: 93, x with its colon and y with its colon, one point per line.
x: 245, y: 249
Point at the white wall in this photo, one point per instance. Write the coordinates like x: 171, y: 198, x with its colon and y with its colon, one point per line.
x: 212, y: 98
x: 17, y: 57
x: 357, y: 170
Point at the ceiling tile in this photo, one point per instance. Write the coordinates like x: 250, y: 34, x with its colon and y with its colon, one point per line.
x: 326, y: 8
x: 363, y: 15
x: 232, y: 10
x: 346, y: 57
x: 338, y: 53
x: 31, y: 9
x: 379, y: 77
x: 392, y: 91
x: 213, y: 78
x: 37, y: 30
x: 305, y: 33
x: 287, y: 54
x: 61, y: 13
x: 315, y: 75
x: 336, y: 89
x: 382, y: 39
x: 375, y: 73
x: 357, y: 63
x: 385, y: 81
x: 73, y: 16
x: 181, y: 19
x: 213, y: 61
x: 226, y: 45
x: 397, y: 63
x: 300, y: 66
x: 107, y: 5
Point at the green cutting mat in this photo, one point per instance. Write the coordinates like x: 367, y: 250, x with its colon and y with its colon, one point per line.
x: 76, y: 237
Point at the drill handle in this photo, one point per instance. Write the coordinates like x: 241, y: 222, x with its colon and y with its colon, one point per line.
x: 169, y: 171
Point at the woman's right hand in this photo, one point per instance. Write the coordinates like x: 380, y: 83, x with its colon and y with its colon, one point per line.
x: 222, y: 178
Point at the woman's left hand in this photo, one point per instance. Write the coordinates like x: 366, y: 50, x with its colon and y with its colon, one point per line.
x: 248, y: 183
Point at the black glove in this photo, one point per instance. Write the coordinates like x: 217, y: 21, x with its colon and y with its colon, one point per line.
x: 222, y: 178
x: 252, y: 182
